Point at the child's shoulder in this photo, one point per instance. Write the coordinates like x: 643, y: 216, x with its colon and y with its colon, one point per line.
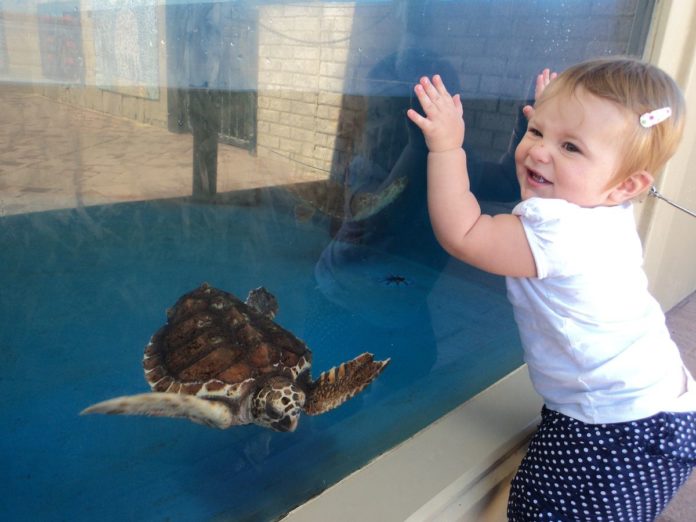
x: 544, y: 210
x: 567, y: 239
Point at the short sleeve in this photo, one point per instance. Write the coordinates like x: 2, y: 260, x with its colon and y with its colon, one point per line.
x: 555, y: 232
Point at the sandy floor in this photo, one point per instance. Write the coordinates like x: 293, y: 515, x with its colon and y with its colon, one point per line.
x: 57, y: 156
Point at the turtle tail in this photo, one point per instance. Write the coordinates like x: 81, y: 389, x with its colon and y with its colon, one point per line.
x: 337, y: 385
x: 211, y: 413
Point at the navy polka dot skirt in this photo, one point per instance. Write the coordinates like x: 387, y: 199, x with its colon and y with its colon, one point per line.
x: 623, y: 472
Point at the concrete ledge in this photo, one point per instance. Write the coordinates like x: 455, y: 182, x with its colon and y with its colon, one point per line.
x: 447, y: 468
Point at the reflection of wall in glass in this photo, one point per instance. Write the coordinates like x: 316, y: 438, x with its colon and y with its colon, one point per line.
x: 319, y: 90
x: 303, y: 53
x: 311, y: 58
x: 368, y: 56
x: 126, y: 49
x: 60, y: 37
x: 3, y: 45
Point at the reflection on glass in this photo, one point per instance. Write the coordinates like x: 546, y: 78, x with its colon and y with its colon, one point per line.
x: 148, y: 146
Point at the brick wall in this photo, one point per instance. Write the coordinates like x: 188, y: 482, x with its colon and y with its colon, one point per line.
x: 499, y: 46
x: 335, y: 79
x: 303, y: 56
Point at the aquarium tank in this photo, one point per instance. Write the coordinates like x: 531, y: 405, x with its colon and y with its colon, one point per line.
x: 151, y: 146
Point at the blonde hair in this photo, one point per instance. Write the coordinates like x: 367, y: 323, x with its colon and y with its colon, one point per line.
x: 636, y: 87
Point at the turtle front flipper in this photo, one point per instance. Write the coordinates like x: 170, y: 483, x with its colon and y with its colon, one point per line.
x: 209, y: 412
x: 366, y: 204
x: 336, y: 386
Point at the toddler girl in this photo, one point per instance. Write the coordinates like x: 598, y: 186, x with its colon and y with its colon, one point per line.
x: 618, y: 430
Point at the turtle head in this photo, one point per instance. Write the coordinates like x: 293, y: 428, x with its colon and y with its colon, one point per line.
x: 263, y: 302
x: 278, y: 404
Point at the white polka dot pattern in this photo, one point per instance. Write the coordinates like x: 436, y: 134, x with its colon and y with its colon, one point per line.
x: 624, y: 472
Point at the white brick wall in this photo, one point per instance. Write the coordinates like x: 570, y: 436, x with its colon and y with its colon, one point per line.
x: 314, y: 61
x: 303, y: 53
x: 324, y: 50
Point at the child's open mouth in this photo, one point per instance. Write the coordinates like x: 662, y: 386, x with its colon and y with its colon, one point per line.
x: 536, y: 178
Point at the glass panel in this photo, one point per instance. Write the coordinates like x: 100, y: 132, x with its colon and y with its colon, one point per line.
x: 149, y: 146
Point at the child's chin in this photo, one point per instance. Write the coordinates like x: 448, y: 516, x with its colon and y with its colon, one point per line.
x: 528, y: 193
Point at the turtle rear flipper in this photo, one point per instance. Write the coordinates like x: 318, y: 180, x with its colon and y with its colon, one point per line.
x: 209, y: 412
x: 337, y: 385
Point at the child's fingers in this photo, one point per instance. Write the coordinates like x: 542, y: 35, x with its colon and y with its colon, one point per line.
x: 549, y: 77
x: 528, y: 111
x: 440, y: 86
x: 434, y: 98
x: 543, y: 80
x: 436, y: 90
x: 420, y: 121
x: 541, y: 83
x: 431, y: 92
x: 545, y: 75
x: 424, y: 93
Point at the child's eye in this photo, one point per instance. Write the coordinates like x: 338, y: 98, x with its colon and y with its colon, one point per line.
x: 534, y: 132
x: 570, y: 147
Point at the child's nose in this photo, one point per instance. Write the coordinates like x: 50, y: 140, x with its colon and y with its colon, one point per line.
x: 540, y: 153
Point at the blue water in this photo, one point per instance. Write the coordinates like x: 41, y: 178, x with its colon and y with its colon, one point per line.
x: 82, y: 291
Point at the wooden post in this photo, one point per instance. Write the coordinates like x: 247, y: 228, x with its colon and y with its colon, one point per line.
x: 205, y: 124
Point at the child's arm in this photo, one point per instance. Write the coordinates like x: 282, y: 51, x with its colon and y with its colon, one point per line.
x: 496, y: 244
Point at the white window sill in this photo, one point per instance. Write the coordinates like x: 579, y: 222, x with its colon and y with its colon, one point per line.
x: 444, y: 470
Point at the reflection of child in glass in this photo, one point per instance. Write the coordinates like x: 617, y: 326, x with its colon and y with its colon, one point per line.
x: 618, y: 430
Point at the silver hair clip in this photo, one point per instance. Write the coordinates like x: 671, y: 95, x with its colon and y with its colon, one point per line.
x: 654, y: 193
x: 652, y: 118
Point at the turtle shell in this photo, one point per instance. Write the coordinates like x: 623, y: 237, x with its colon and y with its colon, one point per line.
x: 213, y: 340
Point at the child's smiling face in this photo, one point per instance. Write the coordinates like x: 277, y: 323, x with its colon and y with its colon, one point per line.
x: 572, y: 149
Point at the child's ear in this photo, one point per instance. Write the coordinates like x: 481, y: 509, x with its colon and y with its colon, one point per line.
x: 631, y: 187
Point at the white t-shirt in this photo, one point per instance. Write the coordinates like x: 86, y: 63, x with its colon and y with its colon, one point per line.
x: 595, y: 340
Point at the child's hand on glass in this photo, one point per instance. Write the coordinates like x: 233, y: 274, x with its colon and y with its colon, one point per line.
x: 443, y: 123
x: 542, y: 81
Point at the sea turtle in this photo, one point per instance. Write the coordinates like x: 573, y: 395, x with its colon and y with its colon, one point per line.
x: 366, y: 190
x: 223, y: 362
